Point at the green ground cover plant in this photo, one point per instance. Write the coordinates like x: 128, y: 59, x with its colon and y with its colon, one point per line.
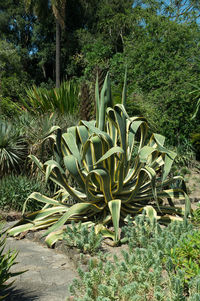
x: 83, y: 238
x: 147, y: 270
x: 186, y: 255
x: 116, y: 172
x: 196, y: 216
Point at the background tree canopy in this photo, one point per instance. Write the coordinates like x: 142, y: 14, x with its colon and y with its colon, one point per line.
x: 158, y: 41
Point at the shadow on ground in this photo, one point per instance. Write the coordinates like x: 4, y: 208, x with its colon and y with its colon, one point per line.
x: 21, y: 295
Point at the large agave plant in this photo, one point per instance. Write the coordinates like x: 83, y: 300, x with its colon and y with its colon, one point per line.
x: 115, y: 171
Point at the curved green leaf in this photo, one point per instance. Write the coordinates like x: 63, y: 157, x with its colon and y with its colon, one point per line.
x: 71, y: 164
x: 110, y: 152
x: 75, y: 210
x: 115, y: 208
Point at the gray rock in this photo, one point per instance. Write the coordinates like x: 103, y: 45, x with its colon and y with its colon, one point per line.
x: 49, y: 273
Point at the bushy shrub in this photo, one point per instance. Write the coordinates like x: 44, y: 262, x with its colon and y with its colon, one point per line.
x: 196, y: 216
x: 186, y: 255
x: 85, y: 239
x: 15, y: 189
x: 195, y: 138
x: 35, y: 129
x: 8, y: 107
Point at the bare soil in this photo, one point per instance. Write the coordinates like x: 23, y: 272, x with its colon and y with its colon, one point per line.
x: 192, y: 180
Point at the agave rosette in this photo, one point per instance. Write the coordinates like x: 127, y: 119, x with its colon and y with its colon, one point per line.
x: 116, y: 173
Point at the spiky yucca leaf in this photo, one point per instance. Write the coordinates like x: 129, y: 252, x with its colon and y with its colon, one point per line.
x: 13, y: 149
x: 116, y: 172
x: 62, y: 100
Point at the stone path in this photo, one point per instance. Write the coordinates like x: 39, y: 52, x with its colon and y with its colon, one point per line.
x: 49, y: 273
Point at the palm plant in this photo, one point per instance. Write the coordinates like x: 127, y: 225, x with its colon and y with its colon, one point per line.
x: 62, y: 99
x: 116, y: 173
x: 13, y: 149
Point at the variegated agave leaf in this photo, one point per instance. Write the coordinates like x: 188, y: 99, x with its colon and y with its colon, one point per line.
x: 116, y: 173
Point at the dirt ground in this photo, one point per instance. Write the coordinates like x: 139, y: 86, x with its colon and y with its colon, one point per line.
x: 192, y: 180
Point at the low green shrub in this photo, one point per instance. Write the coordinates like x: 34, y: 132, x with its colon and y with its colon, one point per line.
x: 7, y: 260
x: 147, y: 270
x: 195, y: 138
x: 185, y: 154
x: 15, y: 189
x: 196, y: 216
x: 146, y: 232
x: 85, y: 239
x: 8, y: 108
x: 194, y: 289
x: 13, y: 86
x: 186, y: 255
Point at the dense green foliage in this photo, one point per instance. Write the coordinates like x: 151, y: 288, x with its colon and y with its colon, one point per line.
x: 15, y: 189
x: 147, y: 269
x: 157, y: 40
x: 186, y: 255
x: 196, y: 215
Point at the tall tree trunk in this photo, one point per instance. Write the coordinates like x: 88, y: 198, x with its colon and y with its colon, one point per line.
x: 58, y: 30
x: 44, y: 71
